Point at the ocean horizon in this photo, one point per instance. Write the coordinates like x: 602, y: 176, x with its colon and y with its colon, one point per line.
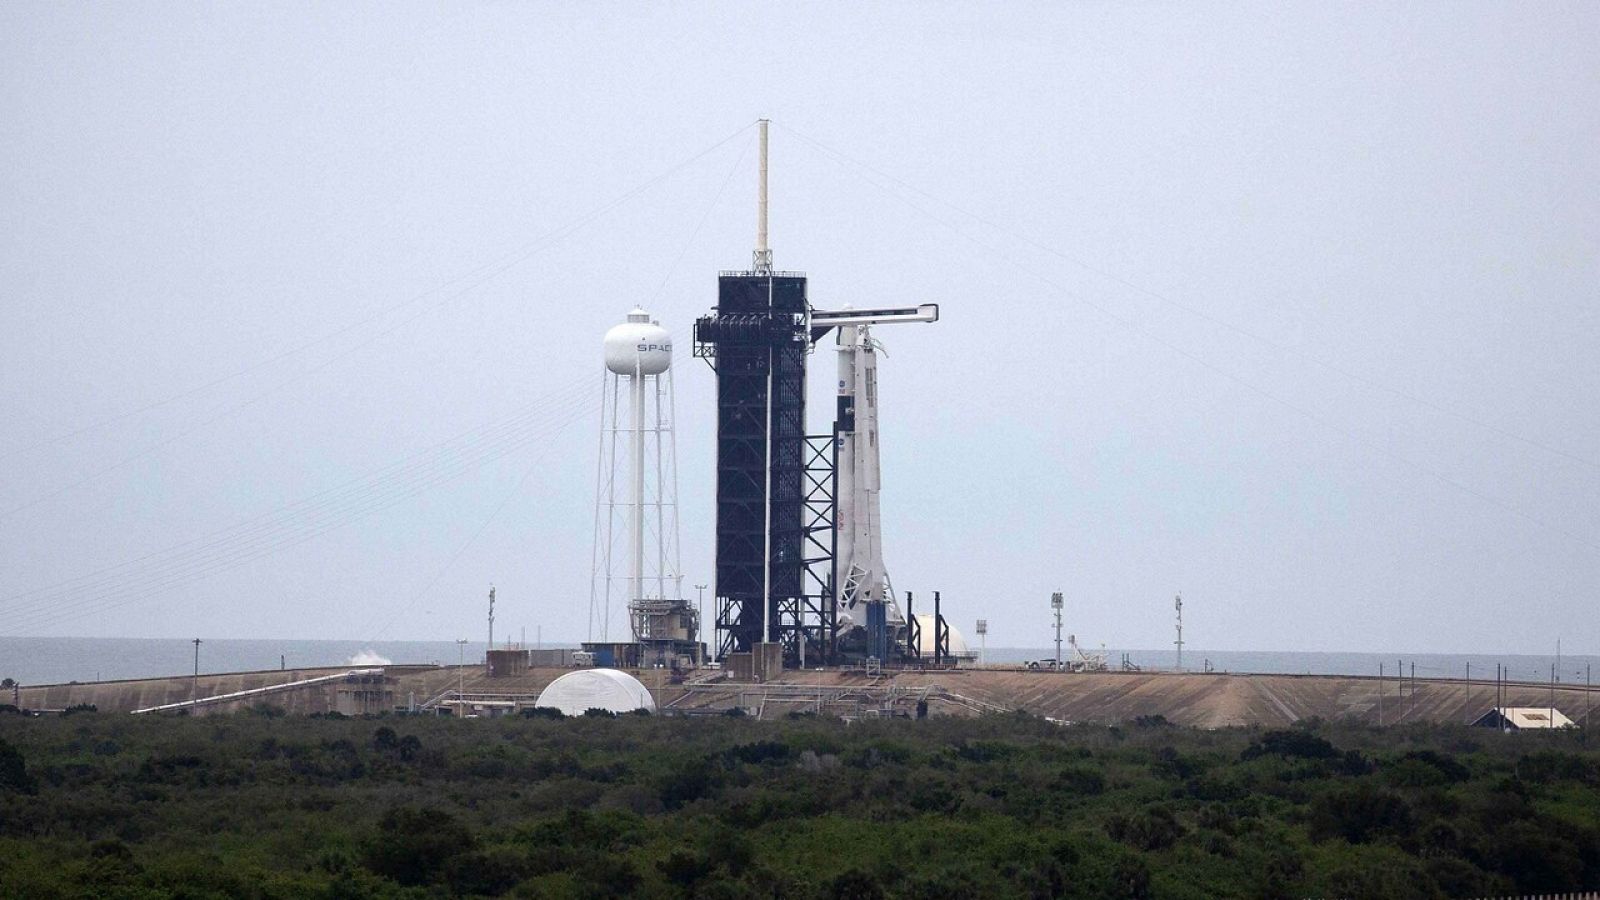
x: 58, y: 660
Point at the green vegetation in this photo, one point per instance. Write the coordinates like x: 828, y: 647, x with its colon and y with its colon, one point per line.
x: 266, y: 805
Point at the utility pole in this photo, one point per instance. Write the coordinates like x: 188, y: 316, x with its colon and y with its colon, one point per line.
x: 1380, y: 695
x: 1178, y: 605
x: 194, y: 687
x: 1056, y: 603
x: 700, y: 624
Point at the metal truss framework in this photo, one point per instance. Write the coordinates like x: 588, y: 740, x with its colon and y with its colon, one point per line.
x: 757, y: 341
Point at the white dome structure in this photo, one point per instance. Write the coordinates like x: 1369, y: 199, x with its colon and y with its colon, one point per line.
x: 958, y: 644
x: 638, y: 346
x: 609, y: 689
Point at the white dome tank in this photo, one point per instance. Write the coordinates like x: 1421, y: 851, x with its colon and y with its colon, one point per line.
x: 958, y: 644
x: 609, y: 689
x: 638, y: 346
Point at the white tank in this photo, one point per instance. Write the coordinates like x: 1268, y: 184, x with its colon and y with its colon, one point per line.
x: 638, y: 346
x: 958, y: 644
x: 609, y: 689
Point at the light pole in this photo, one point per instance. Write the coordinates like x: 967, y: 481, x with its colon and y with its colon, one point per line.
x: 700, y: 623
x: 1177, y: 604
x: 461, y: 678
x: 194, y: 687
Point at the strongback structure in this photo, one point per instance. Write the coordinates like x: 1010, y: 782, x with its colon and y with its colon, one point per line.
x: 781, y: 493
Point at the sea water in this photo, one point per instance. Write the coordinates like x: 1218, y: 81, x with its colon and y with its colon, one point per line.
x: 40, y: 660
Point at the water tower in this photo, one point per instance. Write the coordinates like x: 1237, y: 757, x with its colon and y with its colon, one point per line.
x: 636, y: 562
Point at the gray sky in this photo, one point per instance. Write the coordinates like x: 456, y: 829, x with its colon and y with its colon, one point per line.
x: 1291, y: 307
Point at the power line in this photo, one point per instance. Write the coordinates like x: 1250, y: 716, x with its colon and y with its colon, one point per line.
x: 122, y: 584
x: 1139, y: 329
x: 493, y: 268
x: 483, y: 438
x: 1202, y: 314
x: 272, y: 533
x: 427, y: 587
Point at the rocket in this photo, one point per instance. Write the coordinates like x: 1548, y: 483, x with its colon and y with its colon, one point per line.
x: 859, y: 530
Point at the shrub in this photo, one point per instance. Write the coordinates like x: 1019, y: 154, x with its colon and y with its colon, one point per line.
x: 14, y: 775
x: 1130, y: 879
x: 384, y: 739
x: 414, y: 846
x: 1153, y: 828
x: 855, y: 884
x: 1448, y: 768
x: 759, y: 752
x: 1358, y: 813
x: 1292, y: 743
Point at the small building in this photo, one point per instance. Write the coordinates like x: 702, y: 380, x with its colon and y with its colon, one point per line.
x: 507, y: 663
x: 1523, y: 718
x: 553, y: 658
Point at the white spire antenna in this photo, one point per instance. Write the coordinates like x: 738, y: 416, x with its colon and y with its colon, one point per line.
x: 762, y: 258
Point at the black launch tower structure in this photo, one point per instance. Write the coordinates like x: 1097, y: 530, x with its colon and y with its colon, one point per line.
x: 775, y: 484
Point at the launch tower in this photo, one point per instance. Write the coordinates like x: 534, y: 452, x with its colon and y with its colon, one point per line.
x: 783, y: 514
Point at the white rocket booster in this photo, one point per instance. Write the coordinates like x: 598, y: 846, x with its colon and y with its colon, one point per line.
x: 859, y: 524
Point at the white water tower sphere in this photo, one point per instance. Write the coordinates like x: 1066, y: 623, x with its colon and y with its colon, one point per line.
x: 638, y: 346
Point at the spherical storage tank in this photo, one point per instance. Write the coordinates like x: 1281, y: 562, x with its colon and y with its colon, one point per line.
x: 578, y: 692
x: 638, y: 346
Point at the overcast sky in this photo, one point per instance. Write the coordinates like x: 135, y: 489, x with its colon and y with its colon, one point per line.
x: 1289, y: 307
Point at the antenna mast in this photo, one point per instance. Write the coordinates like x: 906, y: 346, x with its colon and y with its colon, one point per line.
x: 762, y: 258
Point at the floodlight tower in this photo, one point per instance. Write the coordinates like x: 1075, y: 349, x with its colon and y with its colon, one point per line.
x: 638, y: 491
